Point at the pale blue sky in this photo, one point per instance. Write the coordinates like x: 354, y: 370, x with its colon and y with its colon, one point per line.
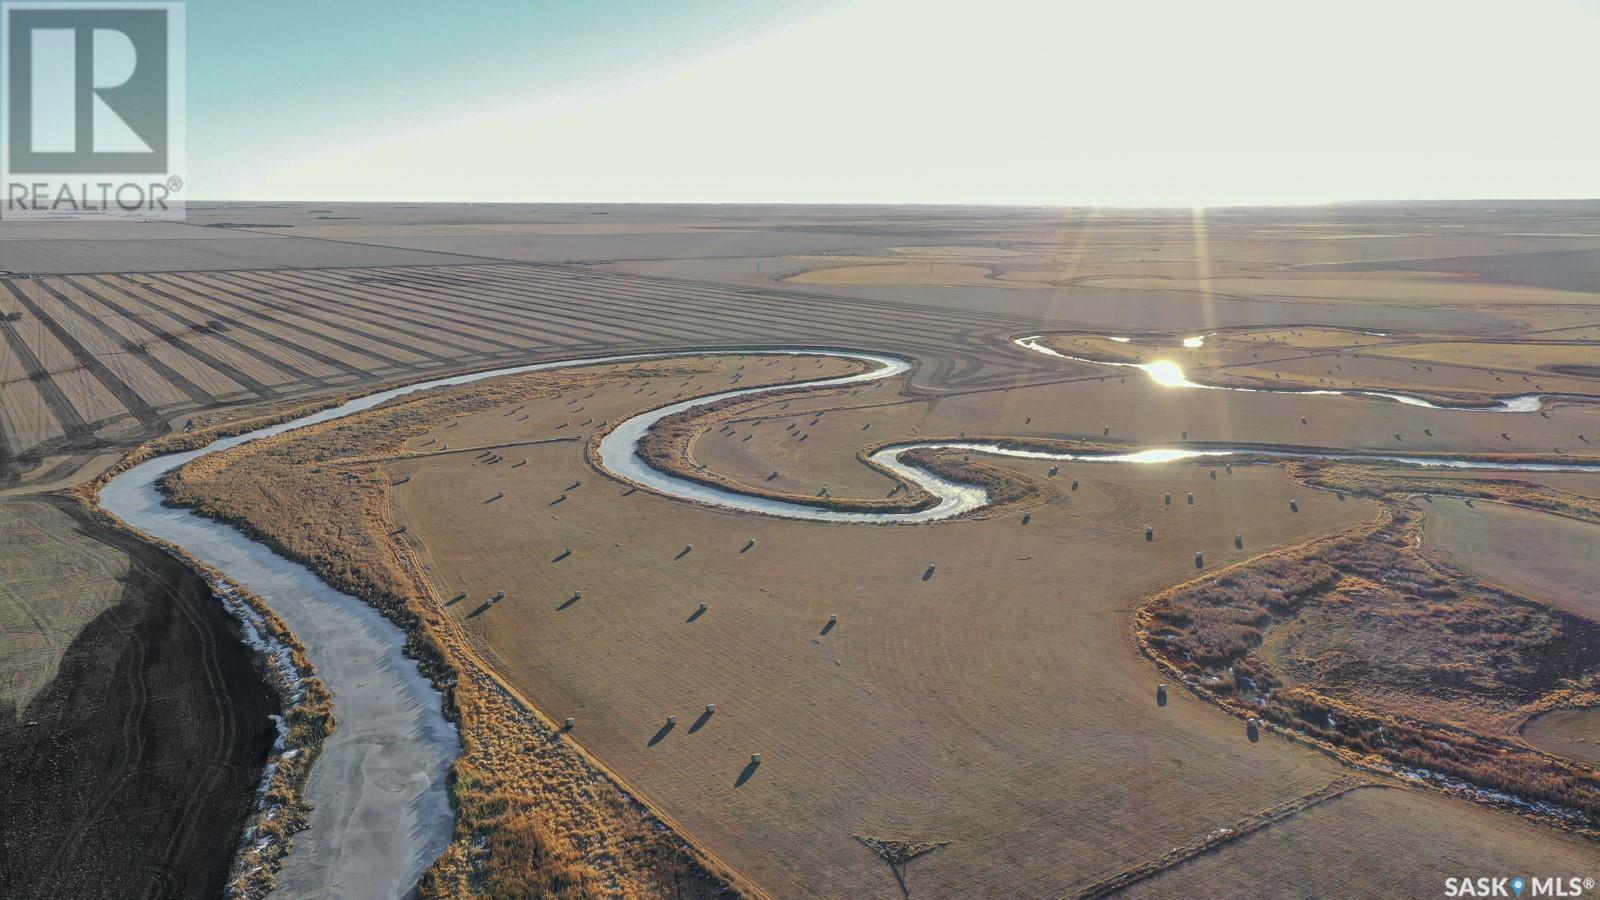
x: 1002, y: 101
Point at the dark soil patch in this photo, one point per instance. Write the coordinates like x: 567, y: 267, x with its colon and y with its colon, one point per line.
x: 132, y: 773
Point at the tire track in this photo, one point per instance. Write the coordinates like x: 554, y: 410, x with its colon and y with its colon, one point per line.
x: 173, y: 377
x: 125, y: 395
x: 234, y: 373
x: 430, y: 330
x: 9, y: 472
x: 72, y: 424
x: 425, y: 302
x: 858, y: 319
x: 356, y: 321
x: 1221, y: 837
x: 198, y: 283
x: 143, y: 763
x: 519, y: 304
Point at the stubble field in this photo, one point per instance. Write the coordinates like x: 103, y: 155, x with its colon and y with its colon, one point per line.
x: 1001, y: 704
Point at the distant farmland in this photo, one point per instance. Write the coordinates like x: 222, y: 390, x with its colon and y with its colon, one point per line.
x: 97, y: 363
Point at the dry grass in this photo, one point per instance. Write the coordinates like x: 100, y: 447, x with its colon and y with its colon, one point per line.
x: 1447, y: 373
x: 790, y: 827
x: 54, y: 585
x: 1538, y: 358
x: 1572, y: 733
x: 1546, y: 557
x: 519, y: 786
x: 1329, y: 851
x: 913, y: 662
x: 1339, y: 640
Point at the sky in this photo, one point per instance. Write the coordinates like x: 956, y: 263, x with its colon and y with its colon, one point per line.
x: 1015, y: 102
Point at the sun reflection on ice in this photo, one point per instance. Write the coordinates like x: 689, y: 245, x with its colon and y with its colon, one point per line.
x: 1167, y: 373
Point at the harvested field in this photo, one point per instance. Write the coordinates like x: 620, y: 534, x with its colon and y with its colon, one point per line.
x: 1325, y: 851
x: 101, y: 362
x: 139, y: 743
x: 979, y: 720
x: 1572, y: 733
x: 911, y: 655
x: 1541, y: 556
x: 56, y: 582
x: 1339, y: 641
x: 1548, y: 358
x: 1467, y: 373
x: 516, y: 771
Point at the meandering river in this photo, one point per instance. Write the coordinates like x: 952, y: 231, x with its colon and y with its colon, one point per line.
x: 1167, y: 373
x: 381, y: 811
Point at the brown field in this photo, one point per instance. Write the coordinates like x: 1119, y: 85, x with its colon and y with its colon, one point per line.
x: 125, y: 774
x: 1539, y: 359
x: 1340, y: 640
x: 1425, y: 840
x: 846, y: 719
x: 917, y: 659
x: 56, y: 583
x: 1002, y: 705
x: 1572, y: 733
x: 1544, y: 557
x: 1459, y: 373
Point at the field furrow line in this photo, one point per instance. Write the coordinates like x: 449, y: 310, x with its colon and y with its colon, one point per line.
x: 1181, y: 854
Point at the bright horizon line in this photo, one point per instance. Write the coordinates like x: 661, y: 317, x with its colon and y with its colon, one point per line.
x: 1138, y: 104
x: 1280, y: 204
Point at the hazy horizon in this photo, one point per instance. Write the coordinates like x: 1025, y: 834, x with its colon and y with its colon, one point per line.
x: 1140, y: 103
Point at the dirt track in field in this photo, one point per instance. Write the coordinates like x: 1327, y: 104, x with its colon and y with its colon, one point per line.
x: 129, y: 332
x: 131, y: 771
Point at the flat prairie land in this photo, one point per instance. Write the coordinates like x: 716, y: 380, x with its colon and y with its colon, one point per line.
x: 1327, y: 851
x: 994, y: 704
x: 1450, y: 373
x: 97, y: 363
x: 1572, y: 733
x: 1127, y: 409
x: 1551, y: 357
x: 1544, y: 557
x: 1000, y: 704
x: 1576, y: 484
x: 125, y: 774
x: 56, y: 582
